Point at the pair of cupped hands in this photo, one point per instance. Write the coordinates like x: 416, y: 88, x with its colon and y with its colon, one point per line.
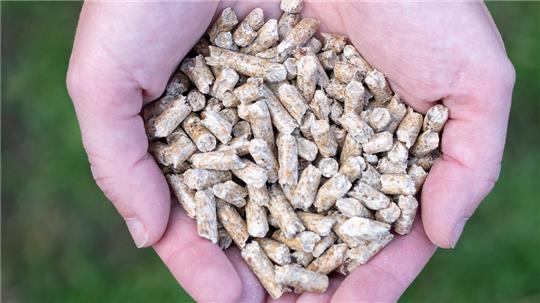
x: 124, y: 53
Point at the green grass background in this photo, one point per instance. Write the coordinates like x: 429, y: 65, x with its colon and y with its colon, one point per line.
x: 63, y: 242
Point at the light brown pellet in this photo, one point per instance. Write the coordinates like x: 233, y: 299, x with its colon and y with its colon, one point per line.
x: 226, y: 21
x: 202, y: 178
x: 324, y: 138
x: 330, y: 260
x: 232, y: 222
x: 354, y: 97
x: 397, y: 184
x: 333, y: 189
x: 206, y: 215
x: 320, y: 224
x: 175, y: 110
x: 408, y: 206
x: 324, y: 244
x: 184, y: 194
x: 292, y: 100
x: 357, y: 128
x: 304, y: 241
x: 301, y: 258
x: 397, y: 110
x: 198, y: 72
x: 352, y: 207
x: 218, y: 126
x: 418, y: 174
x: 262, y: 267
x: 288, y: 160
x: 284, y: 214
x: 246, y: 32
x: 256, y: 219
x: 246, y: 64
x: 328, y: 167
x: 427, y: 142
x: 306, y: 189
x: 263, y: 156
x: 291, y: 6
x: 217, y: 160
x: 388, y: 215
x: 231, y: 192
x: 353, y: 168
x: 378, y: 143
x: 376, y: 82
x: 276, y: 251
x: 435, y: 118
x: 306, y: 77
x: 301, y: 279
x: 299, y: 35
x: 251, y: 174
x: 267, y: 36
x: 281, y: 119
x: 409, y: 128
x: 363, y: 229
x: 351, y: 148
x: 379, y: 118
x: 369, y: 196
x: 307, y: 149
x: 363, y: 253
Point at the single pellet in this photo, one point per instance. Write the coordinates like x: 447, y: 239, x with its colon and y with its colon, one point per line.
x: 202, y: 178
x: 435, y: 118
x: 263, y: 268
x: 369, y: 196
x: 409, y: 128
x: 184, y: 194
x: 276, y: 251
x: 217, y: 160
x: 232, y: 222
x: 206, y: 215
x: 317, y: 223
x: 306, y: 189
x: 408, y: 206
x: 397, y: 184
x: 256, y: 219
x: 301, y: 279
x: 288, y: 159
x: 357, y: 128
x: 231, y: 192
x: 330, y: 260
x: 333, y: 189
x: 324, y: 138
x: 284, y: 214
x: 304, y: 241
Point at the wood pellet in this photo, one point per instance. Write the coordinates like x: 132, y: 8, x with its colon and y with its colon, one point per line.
x: 286, y: 142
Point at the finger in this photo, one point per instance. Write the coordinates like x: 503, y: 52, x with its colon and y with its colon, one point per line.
x: 385, y: 277
x: 326, y: 296
x: 472, y: 145
x: 201, y: 267
x: 252, y: 290
x: 116, y: 63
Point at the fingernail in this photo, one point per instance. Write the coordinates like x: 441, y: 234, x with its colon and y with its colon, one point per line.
x: 137, y: 231
x: 456, y: 232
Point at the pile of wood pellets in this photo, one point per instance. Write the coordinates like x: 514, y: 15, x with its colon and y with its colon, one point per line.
x: 291, y: 146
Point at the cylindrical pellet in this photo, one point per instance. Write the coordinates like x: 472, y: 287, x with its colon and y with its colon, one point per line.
x: 230, y: 192
x: 288, y: 160
x: 324, y: 138
x: 256, y: 219
x: 330, y: 260
x: 284, y: 214
x: 217, y: 160
x: 263, y: 156
x: 333, y: 189
x: 408, y: 206
x: 301, y: 279
x: 232, y: 222
x: 397, y: 184
x: 206, y: 215
x: 202, y: 138
x: 369, y: 196
x: 306, y: 190
x: 278, y: 252
x: 263, y: 268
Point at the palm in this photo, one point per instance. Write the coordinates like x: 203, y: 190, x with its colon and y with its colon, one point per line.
x: 428, y: 54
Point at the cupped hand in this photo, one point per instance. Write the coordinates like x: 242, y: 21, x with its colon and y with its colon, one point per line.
x: 452, y: 53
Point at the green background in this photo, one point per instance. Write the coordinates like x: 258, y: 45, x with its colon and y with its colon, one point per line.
x: 63, y: 242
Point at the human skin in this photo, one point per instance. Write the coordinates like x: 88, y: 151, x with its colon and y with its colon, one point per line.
x: 124, y: 54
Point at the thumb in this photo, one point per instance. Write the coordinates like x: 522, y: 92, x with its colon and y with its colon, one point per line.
x: 116, y: 63
x: 472, y: 145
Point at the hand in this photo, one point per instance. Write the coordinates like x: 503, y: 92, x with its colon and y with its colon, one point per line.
x: 124, y: 54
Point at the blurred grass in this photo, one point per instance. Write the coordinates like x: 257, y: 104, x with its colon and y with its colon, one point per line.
x: 63, y: 242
